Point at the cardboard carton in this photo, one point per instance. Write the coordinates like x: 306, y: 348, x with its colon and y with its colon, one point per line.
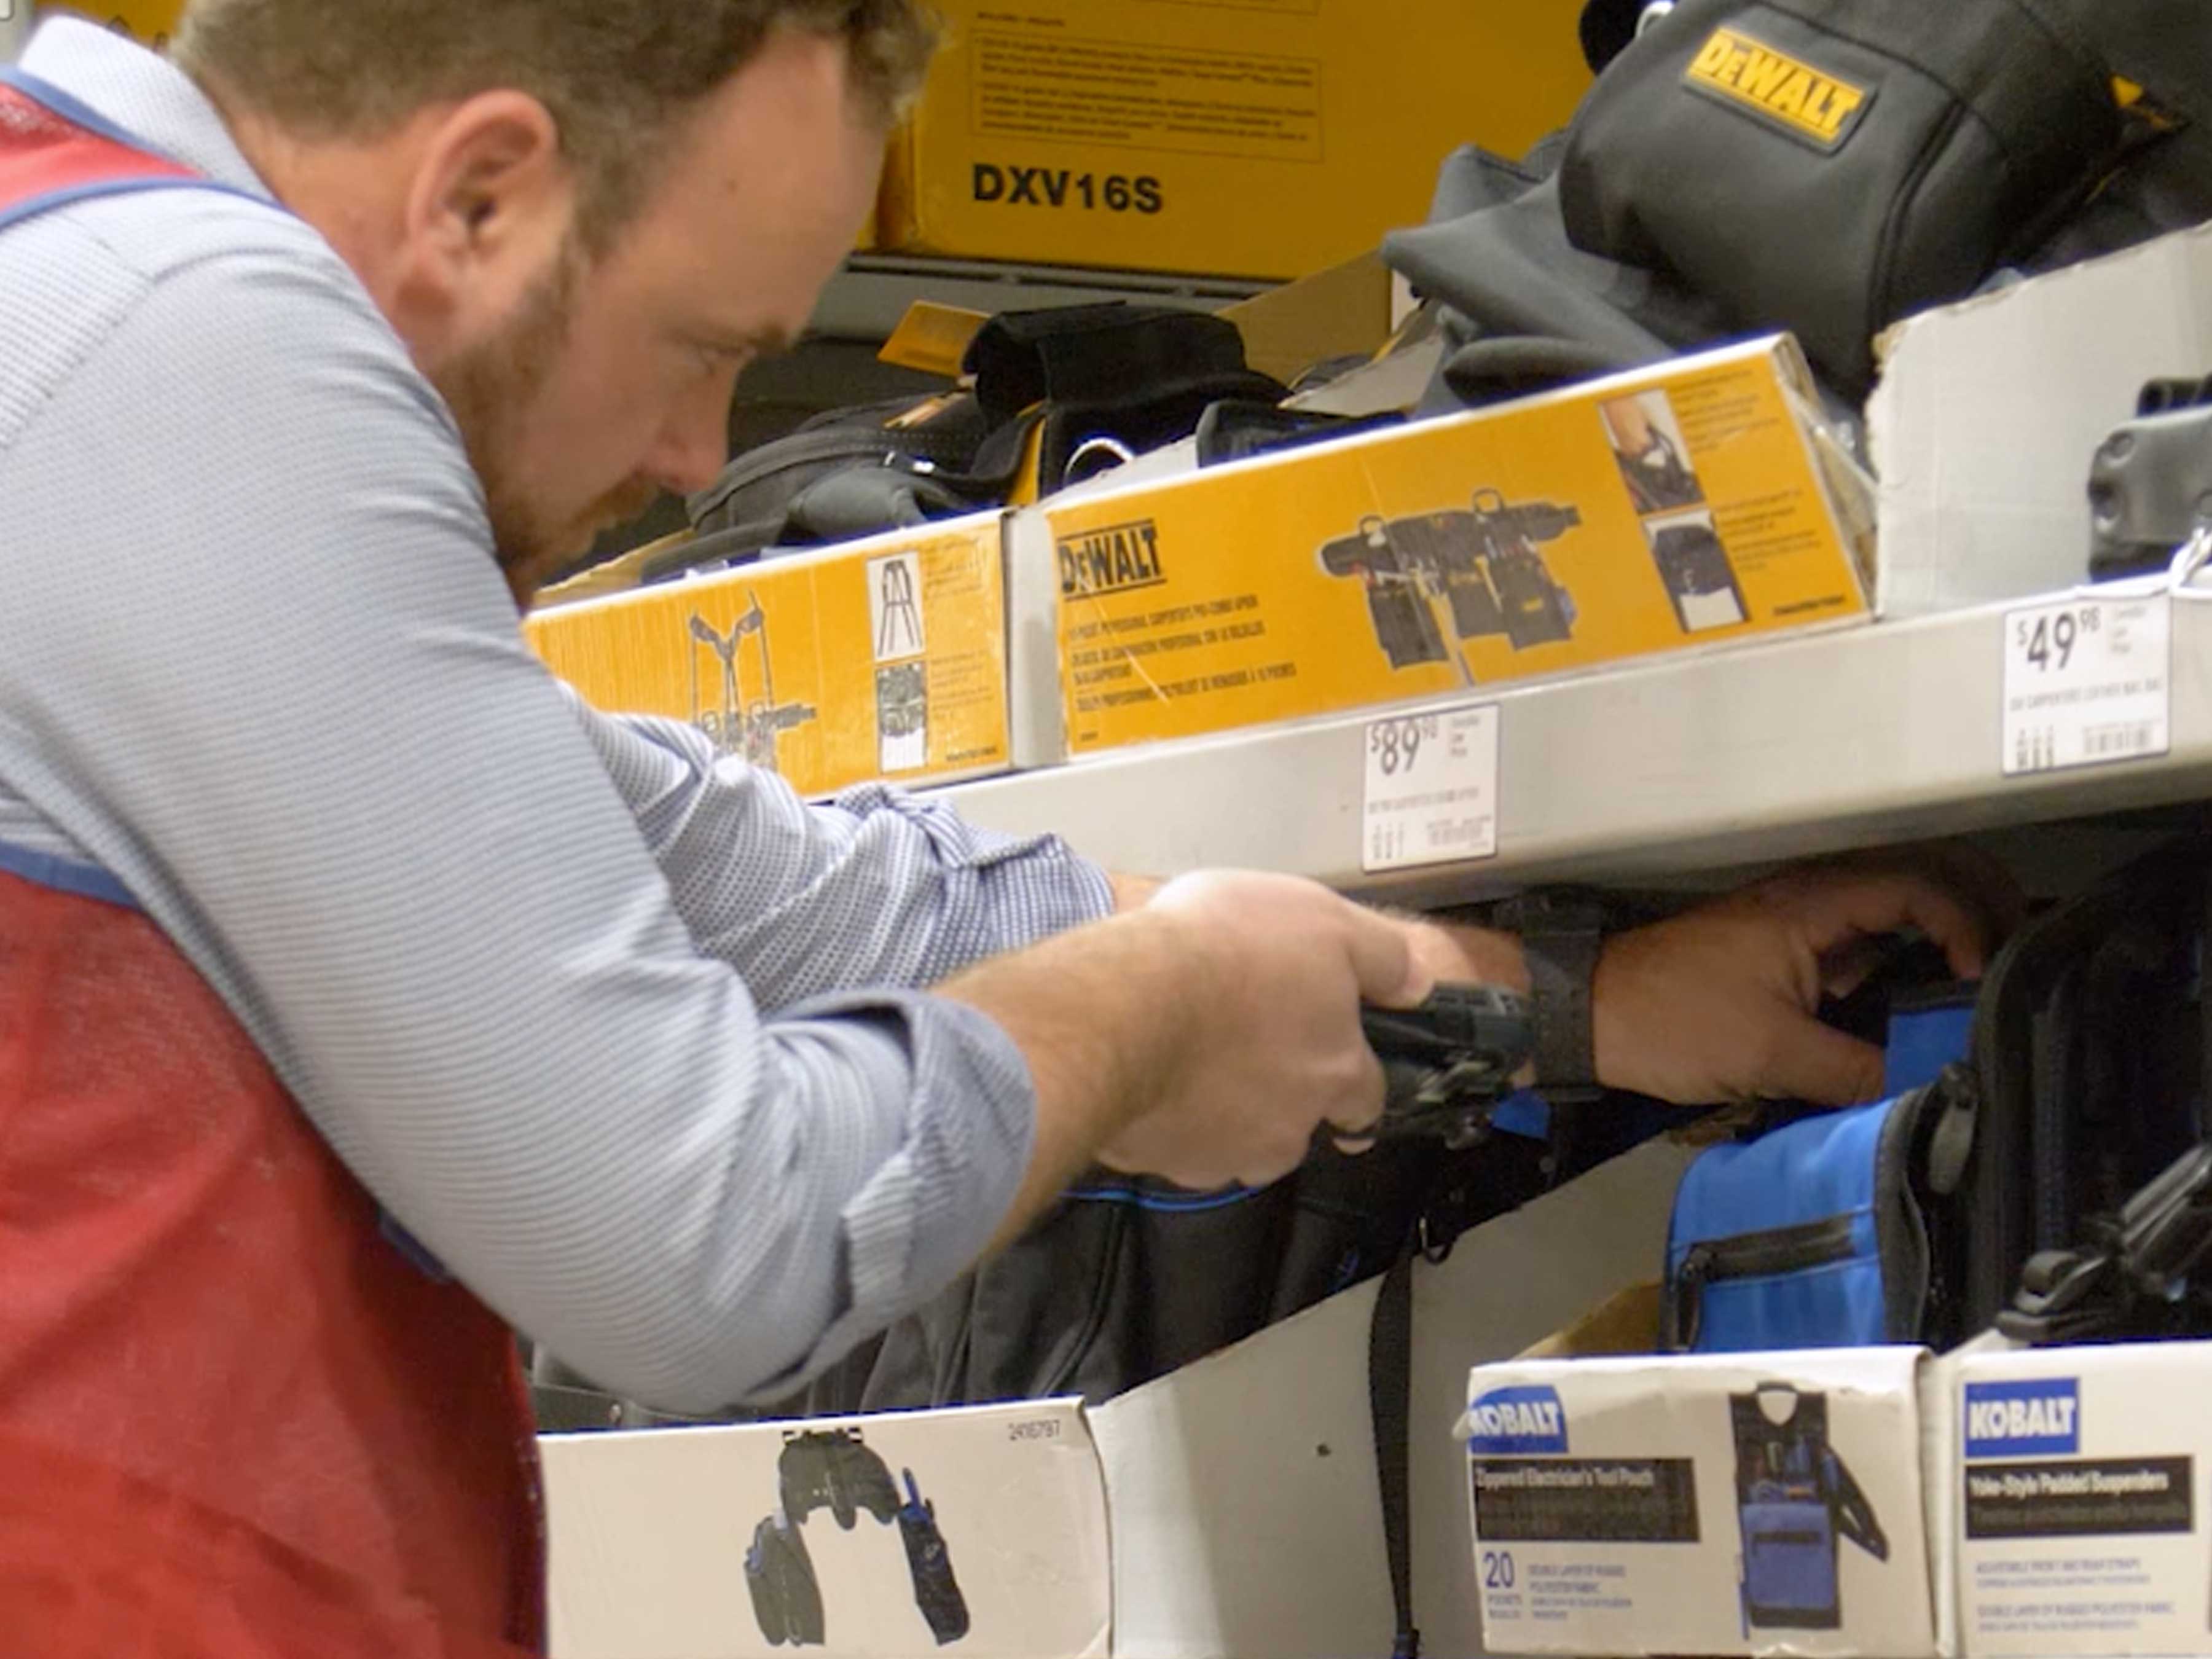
x: 1696, y: 503
x: 1990, y: 413
x: 1262, y: 138
x: 2081, y: 1495
x: 1735, y: 1504
x: 883, y: 658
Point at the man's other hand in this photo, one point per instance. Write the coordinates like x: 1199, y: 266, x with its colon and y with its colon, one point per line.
x: 1721, y: 1003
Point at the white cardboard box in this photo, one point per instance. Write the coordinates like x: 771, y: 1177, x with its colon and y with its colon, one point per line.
x: 800, y: 1534
x: 1990, y: 412
x: 1241, y: 1506
x: 1737, y: 1504
x: 2081, y: 1523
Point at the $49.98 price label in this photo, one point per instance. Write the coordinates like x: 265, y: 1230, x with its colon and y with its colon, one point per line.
x: 1431, y: 790
x: 2088, y: 683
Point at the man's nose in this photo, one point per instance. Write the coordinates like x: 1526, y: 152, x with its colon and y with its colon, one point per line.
x: 693, y: 448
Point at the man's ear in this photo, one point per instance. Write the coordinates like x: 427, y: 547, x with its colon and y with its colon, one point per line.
x: 493, y: 197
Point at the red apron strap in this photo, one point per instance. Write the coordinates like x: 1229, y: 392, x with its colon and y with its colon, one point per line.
x: 47, y: 158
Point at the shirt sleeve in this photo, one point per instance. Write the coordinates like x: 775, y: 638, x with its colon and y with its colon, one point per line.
x: 256, y: 658
x: 877, y: 887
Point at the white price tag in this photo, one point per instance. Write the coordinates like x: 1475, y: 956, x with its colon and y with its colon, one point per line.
x: 2088, y: 683
x: 1431, y: 793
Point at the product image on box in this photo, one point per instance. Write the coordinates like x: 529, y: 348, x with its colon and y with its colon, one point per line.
x: 739, y: 727
x: 1484, y: 562
x: 787, y: 1597
x: 903, y: 717
x: 1649, y: 447
x: 894, y: 585
x: 1694, y: 566
x: 1795, y: 1499
x: 837, y: 1470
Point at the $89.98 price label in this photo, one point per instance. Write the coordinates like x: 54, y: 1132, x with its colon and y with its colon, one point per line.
x: 1432, y: 789
x: 2086, y: 682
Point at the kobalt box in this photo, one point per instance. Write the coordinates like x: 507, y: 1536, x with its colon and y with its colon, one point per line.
x: 2082, y: 1522
x: 1738, y: 1504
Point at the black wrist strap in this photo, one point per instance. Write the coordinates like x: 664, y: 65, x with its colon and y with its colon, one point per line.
x: 1561, y: 935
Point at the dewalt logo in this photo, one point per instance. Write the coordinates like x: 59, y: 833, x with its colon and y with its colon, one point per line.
x: 1797, y: 97
x: 1110, y: 561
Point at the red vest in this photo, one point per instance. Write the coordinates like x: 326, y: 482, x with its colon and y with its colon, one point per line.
x: 236, y: 1421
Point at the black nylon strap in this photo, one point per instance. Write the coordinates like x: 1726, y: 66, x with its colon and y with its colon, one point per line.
x: 1561, y: 937
x: 1390, y: 1391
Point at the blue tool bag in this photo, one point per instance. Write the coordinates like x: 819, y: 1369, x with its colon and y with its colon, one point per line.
x: 1834, y: 1230
x: 1795, y: 1499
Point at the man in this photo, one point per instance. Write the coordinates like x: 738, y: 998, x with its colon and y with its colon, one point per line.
x: 315, y: 887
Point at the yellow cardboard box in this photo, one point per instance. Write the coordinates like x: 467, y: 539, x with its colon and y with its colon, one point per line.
x: 1695, y: 502
x: 880, y: 659
x: 1242, y: 137
x: 151, y: 21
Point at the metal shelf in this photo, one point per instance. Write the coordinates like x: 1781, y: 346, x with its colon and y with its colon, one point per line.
x: 866, y: 301
x: 1677, y: 768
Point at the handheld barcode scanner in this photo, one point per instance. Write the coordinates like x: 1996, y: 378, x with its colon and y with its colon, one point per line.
x: 1448, y: 1063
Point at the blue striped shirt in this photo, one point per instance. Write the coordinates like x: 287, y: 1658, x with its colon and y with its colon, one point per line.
x: 624, y: 1032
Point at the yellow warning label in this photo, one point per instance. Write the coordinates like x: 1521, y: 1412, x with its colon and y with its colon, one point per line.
x: 1793, y: 94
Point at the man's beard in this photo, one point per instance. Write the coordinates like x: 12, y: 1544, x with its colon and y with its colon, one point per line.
x: 491, y: 388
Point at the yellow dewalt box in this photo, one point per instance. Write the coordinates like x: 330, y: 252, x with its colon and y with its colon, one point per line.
x: 1264, y: 138
x: 150, y: 22
x: 1695, y: 502
x: 880, y: 659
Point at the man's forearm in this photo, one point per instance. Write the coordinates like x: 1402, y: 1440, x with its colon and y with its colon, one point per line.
x: 1101, y: 1015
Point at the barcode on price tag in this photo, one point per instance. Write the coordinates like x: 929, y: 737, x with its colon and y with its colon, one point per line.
x: 2086, y: 682
x: 1432, y: 791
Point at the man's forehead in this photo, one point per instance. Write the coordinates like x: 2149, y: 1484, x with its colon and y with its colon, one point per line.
x: 768, y: 182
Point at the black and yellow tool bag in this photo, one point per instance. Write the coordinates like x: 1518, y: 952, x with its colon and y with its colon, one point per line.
x: 1828, y: 167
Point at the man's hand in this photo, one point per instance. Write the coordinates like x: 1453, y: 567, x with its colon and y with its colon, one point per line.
x: 1279, y: 1051
x: 1721, y: 1003
x: 1202, y: 1038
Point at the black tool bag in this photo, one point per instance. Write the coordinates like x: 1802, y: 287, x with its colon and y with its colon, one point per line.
x: 1125, y: 1280
x: 2084, y: 1079
x: 854, y: 472
x: 1057, y: 395
x: 1830, y: 166
x: 1525, y: 305
x: 2089, y: 1059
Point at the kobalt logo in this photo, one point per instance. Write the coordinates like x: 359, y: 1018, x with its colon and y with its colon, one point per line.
x: 1109, y: 561
x: 2041, y: 1418
x: 1517, y: 1422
